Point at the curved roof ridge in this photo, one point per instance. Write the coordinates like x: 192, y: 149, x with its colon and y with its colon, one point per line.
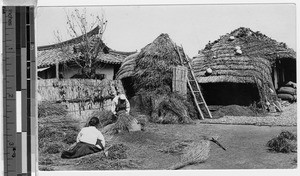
x: 122, y: 52
x: 76, y: 40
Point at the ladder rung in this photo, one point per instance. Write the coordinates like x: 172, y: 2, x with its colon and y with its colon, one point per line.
x: 192, y: 80
x: 200, y: 102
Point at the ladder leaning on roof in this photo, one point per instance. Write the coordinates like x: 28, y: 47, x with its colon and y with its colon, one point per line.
x: 196, y: 92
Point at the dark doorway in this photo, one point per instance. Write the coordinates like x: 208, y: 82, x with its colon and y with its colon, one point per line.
x: 230, y: 93
x: 284, y: 71
x: 289, y: 70
x: 128, y: 86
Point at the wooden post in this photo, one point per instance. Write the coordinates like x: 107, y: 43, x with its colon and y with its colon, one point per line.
x: 275, y: 78
x: 283, y: 75
x: 179, y: 81
x: 57, y: 70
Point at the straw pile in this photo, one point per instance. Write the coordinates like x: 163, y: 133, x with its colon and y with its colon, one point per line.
x: 167, y: 107
x: 105, y: 117
x: 117, y: 159
x: 285, y: 142
x: 55, y: 134
x: 197, y: 152
x: 123, y: 123
x: 46, y: 108
x: 243, y: 56
x: 151, y: 70
x: 233, y: 110
x: 117, y: 151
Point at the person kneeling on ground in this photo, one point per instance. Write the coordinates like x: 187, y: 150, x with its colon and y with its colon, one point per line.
x: 120, y: 108
x: 89, y: 140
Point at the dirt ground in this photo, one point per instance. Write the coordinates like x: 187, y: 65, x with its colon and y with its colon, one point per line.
x: 245, y: 144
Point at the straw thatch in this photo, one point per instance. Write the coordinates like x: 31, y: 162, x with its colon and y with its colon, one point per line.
x: 65, y: 52
x: 252, y: 65
x: 151, y: 73
x: 127, y: 67
x: 154, y: 63
x: 152, y: 66
x: 78, y: 89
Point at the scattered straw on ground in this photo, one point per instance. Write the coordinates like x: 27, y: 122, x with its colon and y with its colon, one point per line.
x: 233, y: 110
x: 286, y: 118
x: 285, y: 142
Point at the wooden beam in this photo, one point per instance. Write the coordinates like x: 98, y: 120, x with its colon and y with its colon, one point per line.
x: 57, y: 70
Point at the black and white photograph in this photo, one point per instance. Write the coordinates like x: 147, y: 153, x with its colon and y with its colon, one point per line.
x: 166, y: 87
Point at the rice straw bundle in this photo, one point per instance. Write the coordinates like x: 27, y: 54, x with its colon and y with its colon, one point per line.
x: 123, y: 123
x: 197, y: 152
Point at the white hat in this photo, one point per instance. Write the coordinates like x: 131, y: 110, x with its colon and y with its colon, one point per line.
x: 239, y: 51
x: 231, y: 38
x: 237, y: 47
x: 122, y: 97
x: 209, y: 71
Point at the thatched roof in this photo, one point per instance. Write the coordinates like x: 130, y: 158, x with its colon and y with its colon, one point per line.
x: 60, y: 52
x: 152, y: 65
x: 259, y: 52
x: 253, y: 64
x: 127, y: 67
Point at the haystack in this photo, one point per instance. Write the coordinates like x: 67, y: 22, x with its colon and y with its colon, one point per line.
x: 285, y: 142
x: 151, y: 73
x: 242, y: 65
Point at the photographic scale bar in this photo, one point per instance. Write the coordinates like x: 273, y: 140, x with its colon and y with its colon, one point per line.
x: 19, y: 72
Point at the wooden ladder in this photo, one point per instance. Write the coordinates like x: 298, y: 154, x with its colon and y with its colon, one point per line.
x: 196, y: 92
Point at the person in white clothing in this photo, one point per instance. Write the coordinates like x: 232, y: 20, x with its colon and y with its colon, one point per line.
x: 120, y: 103
x: 89, y: 140
x: 124, y: 121
x: 91, y: 135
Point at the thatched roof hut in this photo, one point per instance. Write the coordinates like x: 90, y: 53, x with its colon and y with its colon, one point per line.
x: 152, y: 66
x: 245, y: 67
x: 147, y: 76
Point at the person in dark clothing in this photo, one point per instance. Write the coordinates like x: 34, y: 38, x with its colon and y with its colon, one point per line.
x: 89, y: 140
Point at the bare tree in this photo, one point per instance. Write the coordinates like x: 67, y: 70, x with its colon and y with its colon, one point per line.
x: 86, y: 48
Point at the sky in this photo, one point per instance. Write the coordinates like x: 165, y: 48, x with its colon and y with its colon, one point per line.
x: 130, y: 28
